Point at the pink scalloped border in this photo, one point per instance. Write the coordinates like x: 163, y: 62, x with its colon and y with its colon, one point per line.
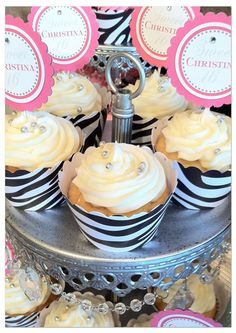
x: 134, y: 31
x: 90, y: 19
x: 159, y: 318
x: 175, y: 41
x: 46, y: 91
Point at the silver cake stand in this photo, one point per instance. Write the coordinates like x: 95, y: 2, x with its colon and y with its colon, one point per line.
x: 186, y: 242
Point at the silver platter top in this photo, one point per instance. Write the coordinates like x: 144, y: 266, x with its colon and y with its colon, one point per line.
x: 55, y: 231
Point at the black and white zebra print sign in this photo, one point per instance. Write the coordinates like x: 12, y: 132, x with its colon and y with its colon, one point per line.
x: 142, y: 130
x: 119, y: 233
x: 198, y: 190
x: 92, y: 126
x: 114, y: 26
x: 36, y: 190
x: 22, y: 321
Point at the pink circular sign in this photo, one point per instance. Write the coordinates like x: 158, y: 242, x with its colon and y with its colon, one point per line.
x: 28, y: 71
x: 182, y: 319
x: 199, y: 60
x: 71, y: 34
x: 153, y: 27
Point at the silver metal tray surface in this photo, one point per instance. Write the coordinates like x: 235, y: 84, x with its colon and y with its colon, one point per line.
x: 185, y: 242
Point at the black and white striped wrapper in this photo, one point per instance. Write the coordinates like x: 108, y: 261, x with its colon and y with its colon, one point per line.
x: 197, y: 189
x: 114, y: 26
x: 35, y: 190
x: 92, y: 126
x: 22, y: 321
x: 117, y: 233
x: 142, y: 130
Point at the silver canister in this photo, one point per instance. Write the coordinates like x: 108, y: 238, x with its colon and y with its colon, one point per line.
x: 122, y: 107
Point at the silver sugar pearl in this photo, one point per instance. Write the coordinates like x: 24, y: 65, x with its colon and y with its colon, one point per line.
x: 24, y: 129
x: 213, y: 40
x: 34, y: 124
x: 89, y: 318
x: 67, y: 307
x: 141, y: 167
x: 57, y: 318
x: 71, y: 75
x: 14, y: 113
x: 59, y: 12
x: 136, y: 305
x: 80, y: 87
x: 120, y: 308
x: 149, y: 298
x: 7, y: 280
x: 12, y: 285
x: 109, y: 166
x: 42, y: 129
x: 105, y: 153
x: 79, y: 109
x: 7, y: 40
x: 102, y: 143
x: 217, y: 151
x: 103, y: 308
x: 169, y: 8
x: 220, y: 120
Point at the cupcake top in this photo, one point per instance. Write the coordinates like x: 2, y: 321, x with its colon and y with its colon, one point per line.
x: 17, y: 303
x: 158, y: 99
x: 202, y: 136
x: 72, y: 94
x: 38, y: 140
x: 63, y: 315
x: 203, y: 294
x: 120, y: 177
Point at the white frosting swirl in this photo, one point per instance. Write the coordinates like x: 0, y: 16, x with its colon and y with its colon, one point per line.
x: 16, y: 302
x: 72, y: 94
x: 202, y: 136
x: 120, y: 188
x: 158, y: 98
x: 46, y: 141
x: 74, y: 316
x: 203, y: 294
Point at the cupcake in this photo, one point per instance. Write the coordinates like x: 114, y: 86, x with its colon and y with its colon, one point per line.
x: 158, y: 100
x: 114, y: 25
x: 118, y: 194
x: 20, y: 311
x: 203, y: 294
x: 37, y: 144
x: 61, y: 314
x: 81, y: 102
x: 199, y: 141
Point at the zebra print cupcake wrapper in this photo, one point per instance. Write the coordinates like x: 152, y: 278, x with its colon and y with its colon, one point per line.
x: 114, y: 27
x: 196, y: 189
x: 35, y: 190
x: 22, y: 321
x: 117, y: 233
x: 92, y: 126
x: 201, y: 190
x: 142, y: 130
